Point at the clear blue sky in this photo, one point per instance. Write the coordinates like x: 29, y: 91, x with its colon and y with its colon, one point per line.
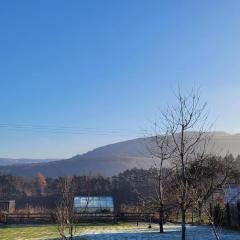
x: 106, y: 67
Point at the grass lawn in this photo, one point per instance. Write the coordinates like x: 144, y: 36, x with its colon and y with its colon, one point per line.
x: 22, y: 232
x: 34, y: 232
x: 127, y: 231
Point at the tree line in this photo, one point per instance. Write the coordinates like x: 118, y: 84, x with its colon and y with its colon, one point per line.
x: 129, y: 188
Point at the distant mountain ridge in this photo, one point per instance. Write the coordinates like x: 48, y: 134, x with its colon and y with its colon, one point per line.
x: 12, y: 161
x: 114, y: 158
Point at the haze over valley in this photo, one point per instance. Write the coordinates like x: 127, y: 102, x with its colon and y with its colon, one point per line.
x: 117, y: 157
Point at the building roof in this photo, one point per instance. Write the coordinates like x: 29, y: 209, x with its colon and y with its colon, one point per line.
x: 232, y: 193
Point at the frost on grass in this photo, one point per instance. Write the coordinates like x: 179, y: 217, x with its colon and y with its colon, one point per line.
x: 122, y: 231
x: 172, y: 232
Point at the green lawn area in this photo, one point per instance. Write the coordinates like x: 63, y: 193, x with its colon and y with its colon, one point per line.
x: 22, y: 232
x: 44, y: 232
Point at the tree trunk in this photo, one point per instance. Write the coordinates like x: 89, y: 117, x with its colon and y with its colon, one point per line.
x: 200, y: 206
x: 177, y: 215
x: 238, y: 210
x: 183, y: 223
x: 161, y: 218
x: 211, y: 210
x: 228, y: 215
x: 192, y: 216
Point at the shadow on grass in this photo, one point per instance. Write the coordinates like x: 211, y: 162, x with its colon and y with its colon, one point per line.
x: 133, y: 236
x: 25, y: 225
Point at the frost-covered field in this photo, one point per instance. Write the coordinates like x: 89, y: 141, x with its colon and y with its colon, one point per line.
x: 172, y: 232
x: 121, y: 231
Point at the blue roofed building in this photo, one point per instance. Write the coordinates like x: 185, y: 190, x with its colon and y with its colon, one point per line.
x: 102, y: 204
x: 232, y: 194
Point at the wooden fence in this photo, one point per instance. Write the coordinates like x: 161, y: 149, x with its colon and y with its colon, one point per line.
x: 25, y: 218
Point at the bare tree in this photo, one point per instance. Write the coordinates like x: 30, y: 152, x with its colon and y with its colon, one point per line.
x: 160, y: 151
x: 186, y: 122
x: 65, y: 216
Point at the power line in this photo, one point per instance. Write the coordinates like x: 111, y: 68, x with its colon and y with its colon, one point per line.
x: 68, y: 129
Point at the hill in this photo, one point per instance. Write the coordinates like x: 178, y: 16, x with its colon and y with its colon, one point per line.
x: 114, y: 158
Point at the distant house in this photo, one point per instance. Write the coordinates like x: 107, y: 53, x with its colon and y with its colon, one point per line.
x: 232, y: 194
x: 83, y: 204
x: 7, y: 206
